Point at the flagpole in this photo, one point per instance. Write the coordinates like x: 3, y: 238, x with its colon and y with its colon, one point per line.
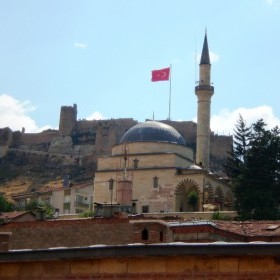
x: 169, y: 118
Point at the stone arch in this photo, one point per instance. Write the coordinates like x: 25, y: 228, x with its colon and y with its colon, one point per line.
x: 228, y: 202
x: 219, y: 197
x: 208, y: 193
x: 183, y: 189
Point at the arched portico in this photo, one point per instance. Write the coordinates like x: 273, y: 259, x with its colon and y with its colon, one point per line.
x: 187, y: 198
x: 219, y: 198
x: 228, y: 203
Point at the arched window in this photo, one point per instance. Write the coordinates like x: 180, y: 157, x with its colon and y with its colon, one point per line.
x: 145, y: 234
x: 155, y: 181
x: 161, y: 236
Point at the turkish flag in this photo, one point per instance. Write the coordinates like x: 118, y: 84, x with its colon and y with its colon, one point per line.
x: 160, y: 75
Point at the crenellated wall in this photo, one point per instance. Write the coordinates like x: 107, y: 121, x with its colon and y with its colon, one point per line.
x: 89, y: 139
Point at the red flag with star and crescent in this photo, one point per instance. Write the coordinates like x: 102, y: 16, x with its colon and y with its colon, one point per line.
x: 160, y: 75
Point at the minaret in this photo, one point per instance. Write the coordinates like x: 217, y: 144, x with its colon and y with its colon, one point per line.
x: 204, y: 92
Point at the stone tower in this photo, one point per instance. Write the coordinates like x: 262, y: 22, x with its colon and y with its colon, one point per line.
x: 68, y: 119
x: 204, y: 92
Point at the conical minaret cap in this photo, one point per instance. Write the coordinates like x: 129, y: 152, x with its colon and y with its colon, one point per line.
x: 205, y: 58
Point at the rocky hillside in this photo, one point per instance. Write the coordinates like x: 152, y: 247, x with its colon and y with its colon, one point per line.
x: 21, y: 172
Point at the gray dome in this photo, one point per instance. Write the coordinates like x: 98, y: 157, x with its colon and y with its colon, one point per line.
x: 153, y: 131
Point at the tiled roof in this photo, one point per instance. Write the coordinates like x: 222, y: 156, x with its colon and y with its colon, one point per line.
x: 251, y: 228
x: 12, y: 215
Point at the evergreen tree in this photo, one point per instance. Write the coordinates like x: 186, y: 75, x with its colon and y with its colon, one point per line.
x: 256, y: 180
x: 237, y: 157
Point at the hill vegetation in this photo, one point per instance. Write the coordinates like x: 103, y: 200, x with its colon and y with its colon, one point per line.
x: 20, y: 172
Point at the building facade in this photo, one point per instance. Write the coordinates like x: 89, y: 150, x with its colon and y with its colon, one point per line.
x: 65, y: 200
x: 153, y: 169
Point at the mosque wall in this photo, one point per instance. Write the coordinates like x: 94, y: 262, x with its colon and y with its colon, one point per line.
x: 162, y: 190
x: 161, y: 160
x: 143, y: 161
x: 154, y: 147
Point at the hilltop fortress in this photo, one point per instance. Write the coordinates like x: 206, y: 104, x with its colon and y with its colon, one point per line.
x: 81, y: 142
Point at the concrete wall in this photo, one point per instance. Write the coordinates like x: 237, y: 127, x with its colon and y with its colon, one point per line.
x: 105, y: 263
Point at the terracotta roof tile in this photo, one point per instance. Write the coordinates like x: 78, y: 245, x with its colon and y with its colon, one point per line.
x: 12, y: 215
x: 251, y: 228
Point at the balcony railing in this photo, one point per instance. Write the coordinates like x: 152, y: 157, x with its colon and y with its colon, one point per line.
x: 81, y: 204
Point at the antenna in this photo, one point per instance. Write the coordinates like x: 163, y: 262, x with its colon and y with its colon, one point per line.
x: 195, y: 79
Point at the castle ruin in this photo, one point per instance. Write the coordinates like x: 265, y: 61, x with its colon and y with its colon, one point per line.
x: 81, y: 142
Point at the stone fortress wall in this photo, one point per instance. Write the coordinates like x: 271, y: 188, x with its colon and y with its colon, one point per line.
x: 85, y: 140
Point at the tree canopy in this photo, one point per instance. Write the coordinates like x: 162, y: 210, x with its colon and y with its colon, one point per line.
x: 5, y: 205
x: 254, y: 169
x: 40, y: 207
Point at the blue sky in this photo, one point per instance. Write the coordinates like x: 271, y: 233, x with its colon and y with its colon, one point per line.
x: 99, y: 54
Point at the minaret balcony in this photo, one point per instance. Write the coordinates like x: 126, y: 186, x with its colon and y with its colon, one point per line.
x: 204, y: 87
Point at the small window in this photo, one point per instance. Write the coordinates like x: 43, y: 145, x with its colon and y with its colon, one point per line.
x: 155, y: 181
x: 145, y: 209
x: 135, y: 163
x: 145, y: 234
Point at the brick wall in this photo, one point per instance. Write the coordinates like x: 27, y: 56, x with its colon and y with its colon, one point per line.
x: 68, y: 233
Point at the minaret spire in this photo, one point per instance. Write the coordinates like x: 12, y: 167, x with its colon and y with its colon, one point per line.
x: 205, y: 58
x: 204, y: 92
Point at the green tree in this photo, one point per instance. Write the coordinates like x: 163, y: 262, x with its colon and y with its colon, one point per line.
x: 241, y: 143
x: 193, y: 199
x: 42, y: 208
x: 5, y: 205
x: 256, y: 176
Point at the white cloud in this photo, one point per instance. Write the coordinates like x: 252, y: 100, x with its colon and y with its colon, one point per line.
x: 273, y: 3
x: 225, y: 121
x: 14, y: 114
x: 95, y: 116
x: 45, y: 127
x: 213, y: 57
x: 269, y: 2
x: 81, y: 45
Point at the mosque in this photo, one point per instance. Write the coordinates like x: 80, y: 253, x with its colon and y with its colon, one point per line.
x: 152, y: 169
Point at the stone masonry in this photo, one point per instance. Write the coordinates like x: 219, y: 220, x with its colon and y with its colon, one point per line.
x: 86, y: 140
